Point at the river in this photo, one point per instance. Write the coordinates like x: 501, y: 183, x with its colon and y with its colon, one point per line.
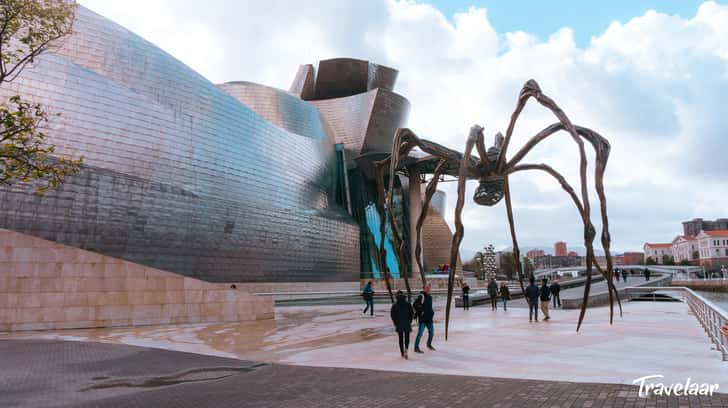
x: 720, y: 299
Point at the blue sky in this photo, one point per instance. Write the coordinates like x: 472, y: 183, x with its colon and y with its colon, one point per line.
x: 585, y: 18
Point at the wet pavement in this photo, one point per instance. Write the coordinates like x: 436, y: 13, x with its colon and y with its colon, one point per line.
x: 651, y: 338
x: 79, y: 374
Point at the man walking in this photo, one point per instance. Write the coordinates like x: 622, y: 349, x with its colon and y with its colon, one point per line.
x: 493, y: 294
x: 545, y: 298
x: 624, y: 276
x: 368, y: 295
x: 555, y: 290
x: 424, y: 313
x: 466, y: 296
x: 532, y: 294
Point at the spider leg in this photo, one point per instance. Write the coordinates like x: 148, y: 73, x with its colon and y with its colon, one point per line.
x: 459, y: 230
x: 396, y: 234
x: 601, y: 149
x: 382, y: 220
x: 531, y: 89
x: 429, y: 192
x: 516, y: 252
x: 587, y: 225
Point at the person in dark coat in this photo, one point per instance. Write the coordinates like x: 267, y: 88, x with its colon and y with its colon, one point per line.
x: 647, y: 274
x: 425, y: 314
x: 493, y: 294
x: 532, y: 294
x: 555, y: 290
x: 616, y: 275
x: 466, y: 296
x: 505, y: 295
x: 402, y: 315
x: 368, y: 295
x: 545, y: 293
x: 624, y: 276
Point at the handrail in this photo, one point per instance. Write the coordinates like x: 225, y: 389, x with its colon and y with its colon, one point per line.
x: 710, y: 316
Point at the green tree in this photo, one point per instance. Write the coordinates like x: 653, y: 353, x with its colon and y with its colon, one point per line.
x: 650, y: 261
x: 528, y: 267
x: 508, y: 265
x: 27, y: 29
x: 668, y: 260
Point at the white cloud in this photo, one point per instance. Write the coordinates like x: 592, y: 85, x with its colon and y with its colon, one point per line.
x: 655, y: 86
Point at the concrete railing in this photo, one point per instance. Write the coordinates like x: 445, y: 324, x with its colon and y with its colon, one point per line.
x: 602, y: 298
x: 710, y: 316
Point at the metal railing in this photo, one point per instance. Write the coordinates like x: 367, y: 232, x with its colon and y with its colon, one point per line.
x: 710, y: 316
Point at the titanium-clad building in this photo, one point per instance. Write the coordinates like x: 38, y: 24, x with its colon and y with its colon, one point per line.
x: 236, y: 182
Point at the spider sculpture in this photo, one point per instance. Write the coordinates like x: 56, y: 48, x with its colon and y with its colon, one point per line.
x: 491, y: 168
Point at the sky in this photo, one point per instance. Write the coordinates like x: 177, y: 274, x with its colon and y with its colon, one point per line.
x: 651, y: 76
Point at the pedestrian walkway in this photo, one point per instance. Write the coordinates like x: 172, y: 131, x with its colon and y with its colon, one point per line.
x: 76, y: 374
x: 651, y: 338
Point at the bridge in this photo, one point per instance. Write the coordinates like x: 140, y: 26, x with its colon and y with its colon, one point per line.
x: 676, y: 270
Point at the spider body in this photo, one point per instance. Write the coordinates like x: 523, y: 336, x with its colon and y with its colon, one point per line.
x: 491, y: 168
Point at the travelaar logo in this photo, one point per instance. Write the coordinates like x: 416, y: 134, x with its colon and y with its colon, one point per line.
x: 677, y: 389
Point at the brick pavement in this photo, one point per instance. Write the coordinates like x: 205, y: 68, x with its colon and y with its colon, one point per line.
x: 56, y: 373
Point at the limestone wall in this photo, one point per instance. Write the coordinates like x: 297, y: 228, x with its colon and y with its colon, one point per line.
x: 45, y: 285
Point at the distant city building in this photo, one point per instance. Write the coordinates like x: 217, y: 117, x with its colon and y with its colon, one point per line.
x: 634, y: 258
x: 535, y: 253
x: 656, y: 251
x: 702, y: 243
x: 573, y: 253
x: 713, y: 247
x: 694, y: 226
x: 560, y: 249
x: 550, y: 261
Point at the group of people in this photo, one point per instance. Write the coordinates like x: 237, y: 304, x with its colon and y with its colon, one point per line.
x: 403, y: 313
x: 542, y: 295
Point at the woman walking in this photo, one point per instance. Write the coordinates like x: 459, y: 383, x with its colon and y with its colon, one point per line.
x: 505, y: 294
x: 402, y: 315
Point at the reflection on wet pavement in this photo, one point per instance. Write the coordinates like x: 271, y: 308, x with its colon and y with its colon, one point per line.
x: 295, y: 329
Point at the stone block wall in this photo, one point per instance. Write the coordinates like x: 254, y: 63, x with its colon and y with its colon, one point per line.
x: 46, y: 285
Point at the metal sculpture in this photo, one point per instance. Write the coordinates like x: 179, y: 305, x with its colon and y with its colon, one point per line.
x: 491, y: 168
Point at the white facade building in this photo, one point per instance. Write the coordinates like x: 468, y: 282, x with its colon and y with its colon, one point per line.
x: 713, y: 247
x: 656, y: 251
x: 685, y: 248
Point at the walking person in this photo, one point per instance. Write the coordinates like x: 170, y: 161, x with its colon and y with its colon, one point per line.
x: 624, y: 276
x: 424, y: 313
x: 616, y: 275
x: 368, y: 295
x: 505, y: 295
x: 466, y: 296
x: 555, y: 290
x: 545, y: 293
x: 647, y: 274
x: 402, y: 315
x: 532, y: 294
x: 493, y: 294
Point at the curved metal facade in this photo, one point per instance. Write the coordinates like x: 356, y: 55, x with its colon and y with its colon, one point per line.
x: 179, y: 175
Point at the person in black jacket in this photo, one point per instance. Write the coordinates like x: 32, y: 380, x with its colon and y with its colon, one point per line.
x: 402, y: 315
x: 545, y: 298
x: 493, y: 294
x: 555, y: 290
x: 505, y: 295
x: 425, y: 313
x: 532, y: 294
x: 466, y: 296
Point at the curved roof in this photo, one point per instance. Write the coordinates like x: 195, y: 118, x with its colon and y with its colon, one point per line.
x: 279, y: 107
